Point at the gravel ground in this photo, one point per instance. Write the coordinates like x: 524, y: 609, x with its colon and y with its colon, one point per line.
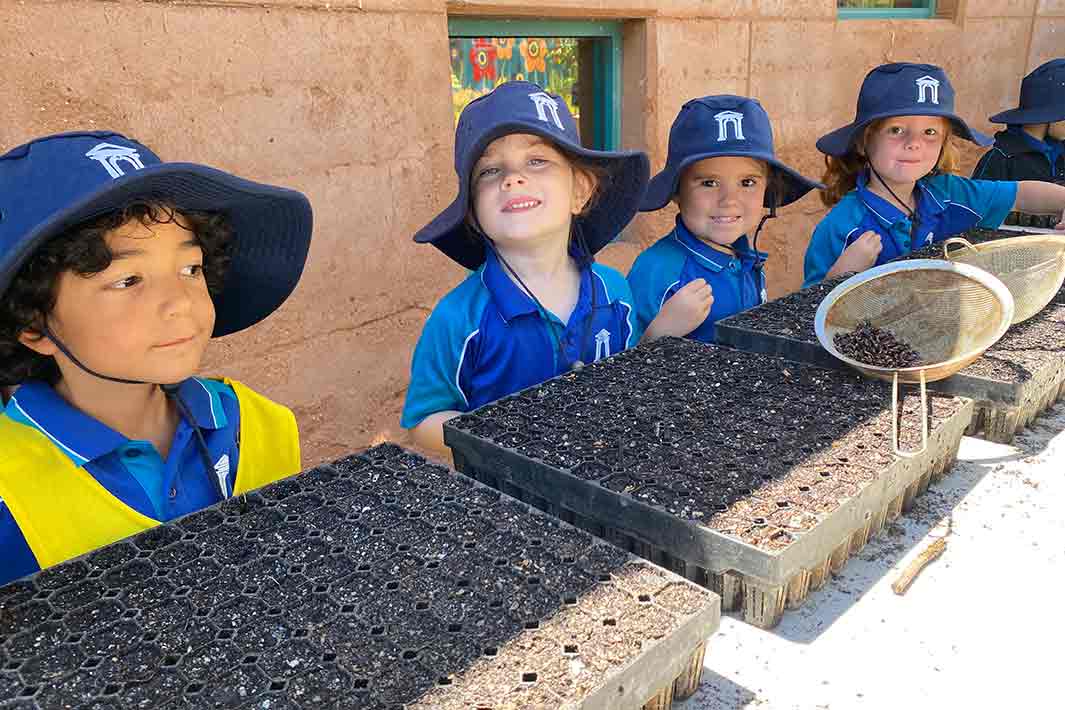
x: 980, y: 628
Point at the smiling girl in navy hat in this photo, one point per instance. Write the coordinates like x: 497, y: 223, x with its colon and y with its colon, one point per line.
x: 722, y: 173
x: 888, y: 180
x: 534, y: 206
x: 116, y: 268
x: 1033, y: 145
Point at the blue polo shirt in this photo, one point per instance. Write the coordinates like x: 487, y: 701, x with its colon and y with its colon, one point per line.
x: 946, y: 205
x: 487, y: 339
x: 677, y: 259
x: 132, y: 471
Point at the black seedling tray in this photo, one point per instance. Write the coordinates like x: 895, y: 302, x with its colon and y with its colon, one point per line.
x: 380, y: 581
x: 749, y: 474
x: 1015, y: 380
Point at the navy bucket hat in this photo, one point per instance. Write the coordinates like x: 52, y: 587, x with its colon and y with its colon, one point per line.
x: 718, y: 126
x: 54, y: 183
x: 1042, y: 97
x: 523, y: 107
x: 900, y: 89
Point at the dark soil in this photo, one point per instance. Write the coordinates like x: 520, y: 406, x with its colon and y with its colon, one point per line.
x: 408, y: 578
x: 874, y: 346
x: 749, y: 445
x: 1042, y: 221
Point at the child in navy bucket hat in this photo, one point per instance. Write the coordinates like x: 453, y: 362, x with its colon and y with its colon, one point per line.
x: 888, y: 176
x: 534, y: 206
x: 1032, y: 147
x: 722, y: 173
x: 116, y: 268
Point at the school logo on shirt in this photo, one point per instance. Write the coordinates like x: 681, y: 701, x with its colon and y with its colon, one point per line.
x: 602, y: 344
x: 221, y: 470
x: 729, y: 118
x: 927, y: 90
x: 546, y: 103
x: 112, y: 156
x: 928, y: 238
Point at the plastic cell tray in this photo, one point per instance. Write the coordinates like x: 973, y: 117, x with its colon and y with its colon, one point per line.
x: 380, y: 581
x: 751, y: 475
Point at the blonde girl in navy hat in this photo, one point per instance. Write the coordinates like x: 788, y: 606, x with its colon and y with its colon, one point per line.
x: 534, y: 206
x: 888, y: 176
x: 722, y: 173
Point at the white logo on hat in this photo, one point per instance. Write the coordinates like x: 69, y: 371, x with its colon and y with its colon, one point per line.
x: 110, y: 156
x: 726, y: 119
x: 544, y: 103
x: 925, y: 85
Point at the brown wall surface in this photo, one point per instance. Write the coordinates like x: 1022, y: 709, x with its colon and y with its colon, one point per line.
x: 349, y: 101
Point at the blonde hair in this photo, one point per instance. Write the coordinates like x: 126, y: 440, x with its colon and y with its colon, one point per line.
x: 841, y: 174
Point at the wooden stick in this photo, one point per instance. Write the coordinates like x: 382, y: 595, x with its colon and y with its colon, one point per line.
x: 930, y: 553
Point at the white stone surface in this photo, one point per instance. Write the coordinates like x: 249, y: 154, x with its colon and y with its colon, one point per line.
x: 981, y: 627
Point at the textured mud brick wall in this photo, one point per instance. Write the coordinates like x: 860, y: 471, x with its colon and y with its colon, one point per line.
x: 1048, y: 35
x: 349, y: 101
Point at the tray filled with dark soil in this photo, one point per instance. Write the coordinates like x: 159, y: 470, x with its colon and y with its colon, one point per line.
x: 1038, y: 221
x: 380, y: 582
x: 1014, y: 382
x: 749, y: 474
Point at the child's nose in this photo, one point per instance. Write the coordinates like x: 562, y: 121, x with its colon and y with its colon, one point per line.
x: 513, y: 178
x: 176, y: 299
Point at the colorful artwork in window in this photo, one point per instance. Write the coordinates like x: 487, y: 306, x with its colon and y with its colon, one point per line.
x: 480, y: 64
x: 884, y: 4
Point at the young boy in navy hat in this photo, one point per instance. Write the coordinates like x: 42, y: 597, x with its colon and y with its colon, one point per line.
x: 1031, y: 147
x: 722, y: 173
x: 534, y: 206
x: 115, y: 270
x: 888, y: 176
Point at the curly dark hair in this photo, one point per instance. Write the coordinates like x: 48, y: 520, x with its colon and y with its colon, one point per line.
x: 83, y: 250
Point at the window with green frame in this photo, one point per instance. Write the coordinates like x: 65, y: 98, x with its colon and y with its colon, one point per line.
x: 889, y: 9
x: 580, y: 61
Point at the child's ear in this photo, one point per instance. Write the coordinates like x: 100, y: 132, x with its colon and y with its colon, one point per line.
x: 35, y: 341
x: 584, y: 187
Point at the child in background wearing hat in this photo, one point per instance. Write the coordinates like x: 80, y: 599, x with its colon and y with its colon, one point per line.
x: 115, y: 270
x: 1031, y: 147
x: 888, y: 180
x: 722, y: 173
x: 533, y: 208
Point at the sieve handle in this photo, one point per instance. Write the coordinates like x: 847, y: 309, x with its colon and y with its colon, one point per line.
x: 957, y: 241
x: 895, y: 417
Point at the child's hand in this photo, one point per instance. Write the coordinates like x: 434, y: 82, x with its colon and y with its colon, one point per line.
x: 859, y: 256
x: 684, y: 311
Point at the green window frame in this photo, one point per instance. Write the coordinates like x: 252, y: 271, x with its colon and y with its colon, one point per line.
x: 888, y: 13
x: 607, y: 58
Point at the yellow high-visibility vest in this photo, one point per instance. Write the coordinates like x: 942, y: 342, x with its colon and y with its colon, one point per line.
x: 63, y: 512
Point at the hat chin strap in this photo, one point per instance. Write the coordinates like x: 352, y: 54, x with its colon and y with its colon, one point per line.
x: 171, y: 391
x: 761, y: 223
